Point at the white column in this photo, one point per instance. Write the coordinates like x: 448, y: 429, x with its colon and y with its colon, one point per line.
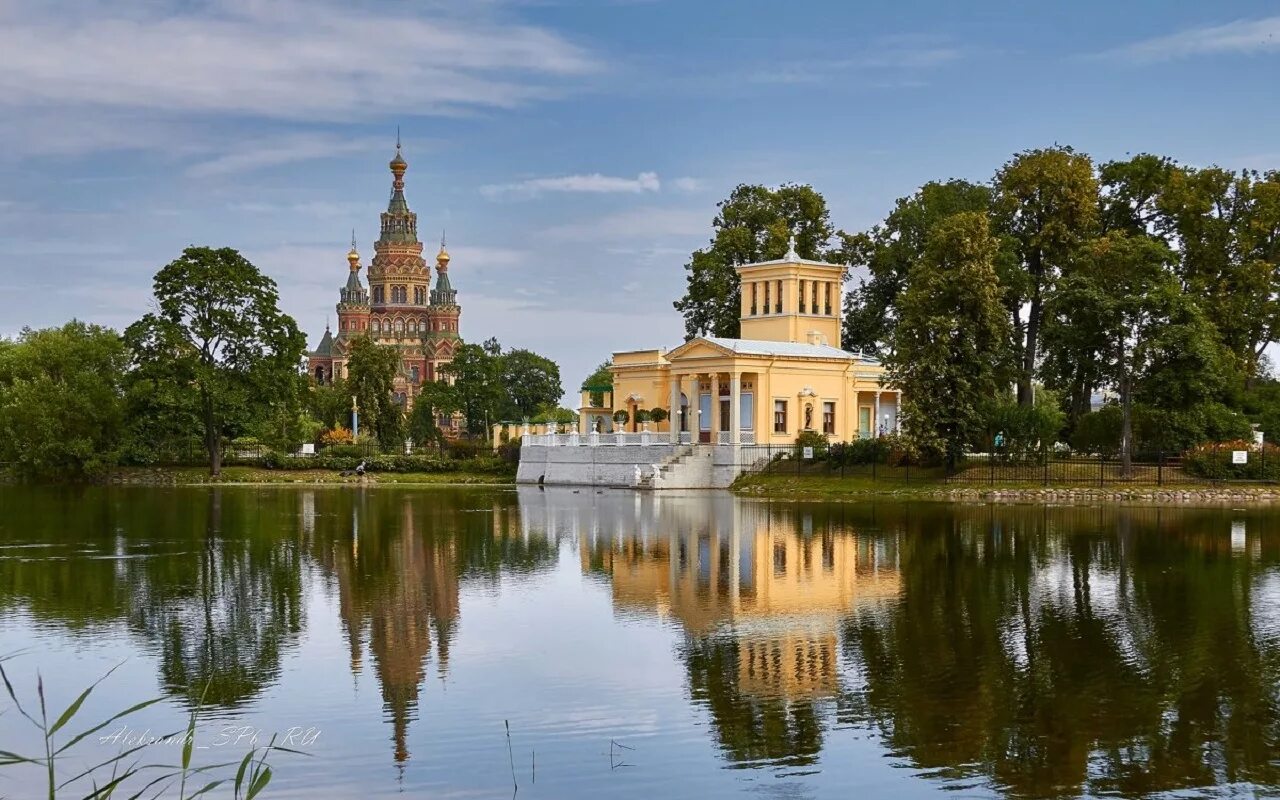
x: 715, y: 408
x: 673, y: 410
x: 695, y: 408
x: 875, y: 424
x: 735, y: 407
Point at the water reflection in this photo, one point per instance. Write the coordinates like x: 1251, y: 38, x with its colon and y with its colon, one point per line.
x: 1021, y: 651
x: 760, y: 597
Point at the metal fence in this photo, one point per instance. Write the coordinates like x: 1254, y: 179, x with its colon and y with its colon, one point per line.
x: 1222, y: 464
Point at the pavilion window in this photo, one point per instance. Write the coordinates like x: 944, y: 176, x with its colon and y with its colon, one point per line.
x: 829, y: 417
x: 826, y: 290
x: 766, y: 296
x: 801, y: 308
x: 779, y: 416
x: 815, y: 296
x: 414, y: 373
x: 378, y: 295
x: 753, y: 299
x: 417, y: 295
x: 778, y: 302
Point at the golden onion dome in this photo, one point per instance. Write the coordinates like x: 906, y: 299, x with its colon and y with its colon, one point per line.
x: 443, y: 256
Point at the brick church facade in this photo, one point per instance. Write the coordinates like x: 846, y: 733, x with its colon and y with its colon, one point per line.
x: 400, y: 308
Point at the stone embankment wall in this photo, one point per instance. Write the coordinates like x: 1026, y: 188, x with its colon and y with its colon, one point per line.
x: 589, y: 466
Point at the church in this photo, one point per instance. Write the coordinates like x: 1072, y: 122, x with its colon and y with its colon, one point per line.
x: 400, y: 308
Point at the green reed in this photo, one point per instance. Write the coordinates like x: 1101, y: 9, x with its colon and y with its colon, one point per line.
x: 124, y: 772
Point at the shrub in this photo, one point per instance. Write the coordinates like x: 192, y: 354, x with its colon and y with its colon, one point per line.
x: 658, y: 414
x: 459, y: 449
x: 344, y: 451
x: 812, y: 439
x: 1098, y: 431
x: 642, y: 415
x: 336, y: 436
x: 510, y: 451
x: 621, y: 416
x: 860, y: 451
x: 1213, y: 461
x: 1026, y: 429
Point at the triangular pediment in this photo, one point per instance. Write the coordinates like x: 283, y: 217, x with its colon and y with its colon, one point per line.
x: 698, y: 348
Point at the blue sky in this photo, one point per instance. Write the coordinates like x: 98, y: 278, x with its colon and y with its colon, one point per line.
x: 573, y: 150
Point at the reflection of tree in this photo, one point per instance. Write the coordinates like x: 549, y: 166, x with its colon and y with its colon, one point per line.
x: 221, y: 622
x: 193, y: 572
x: 1119, y: 659
x: 750, y: 727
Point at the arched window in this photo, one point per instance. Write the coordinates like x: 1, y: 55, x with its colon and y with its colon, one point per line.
x: 413, y: 326
x: 320, y: 375
x: 399, y: 325
x: 377, y: 326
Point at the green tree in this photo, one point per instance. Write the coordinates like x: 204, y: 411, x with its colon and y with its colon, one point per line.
x: 888, y: 252
x: 371, y: 372
x: 218, y: 329
x: 62, y: 401
x: 1047, y: 200
x: 532, y: 381
x: 950, y: 348
x: 477, y: 378
x: 753, y: 224
x: 1226, y: 228
x: 435, y: 399
x: 1123, y: 293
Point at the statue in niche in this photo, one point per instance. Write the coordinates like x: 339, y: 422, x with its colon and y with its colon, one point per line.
x: 808, y: 416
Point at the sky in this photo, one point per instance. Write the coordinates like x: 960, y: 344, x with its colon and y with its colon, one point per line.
x: 573, y: 151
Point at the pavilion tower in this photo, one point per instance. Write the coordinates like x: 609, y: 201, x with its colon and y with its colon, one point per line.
x: 791, y: 299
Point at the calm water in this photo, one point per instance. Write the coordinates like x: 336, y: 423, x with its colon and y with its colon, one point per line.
x: 642, y: 646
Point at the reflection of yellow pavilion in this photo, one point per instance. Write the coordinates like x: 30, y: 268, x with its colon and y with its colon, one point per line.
x: 770, y: 581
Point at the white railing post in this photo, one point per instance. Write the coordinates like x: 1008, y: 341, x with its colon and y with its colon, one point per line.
x: 593, y: 438
x: 644, y: 437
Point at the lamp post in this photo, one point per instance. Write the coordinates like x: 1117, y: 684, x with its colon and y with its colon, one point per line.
x: 355, y: 419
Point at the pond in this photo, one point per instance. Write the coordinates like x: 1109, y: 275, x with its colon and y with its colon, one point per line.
x: 580, y: 644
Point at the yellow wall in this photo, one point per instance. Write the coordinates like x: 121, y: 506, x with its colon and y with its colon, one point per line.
x: 791, y: 325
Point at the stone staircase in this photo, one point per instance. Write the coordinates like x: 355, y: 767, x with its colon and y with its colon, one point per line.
x: 688, y: 468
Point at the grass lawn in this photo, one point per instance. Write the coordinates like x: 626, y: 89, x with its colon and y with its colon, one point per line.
x: 199, y: 475
x: 811, y: 486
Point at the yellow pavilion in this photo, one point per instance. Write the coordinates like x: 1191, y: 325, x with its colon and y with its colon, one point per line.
x: 785, y: 376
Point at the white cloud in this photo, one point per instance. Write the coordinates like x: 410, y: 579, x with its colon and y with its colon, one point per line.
x: 317, y: 60
x: 277, y: 151
x: 889, y: 61
x: 687, y: 184
x: 636, y: 224
x: 1241, y: 36
x: 594, y: 183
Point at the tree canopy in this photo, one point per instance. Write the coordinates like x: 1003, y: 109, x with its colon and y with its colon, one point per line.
x: 218, y: 329
x: 753, y: 224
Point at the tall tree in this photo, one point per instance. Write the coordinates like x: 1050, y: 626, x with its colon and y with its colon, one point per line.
x: 435, y: 399
x: 371, y: 372
x: 218, y: 328
x: 1226, y: 227
x: 61, y: 401
x: 888, y: 252
x: 753, y: 224
x: 532, y: 381
x: 1047, y: 200
x: 1121, y: 297
x: 476, y: 375
x: 950, y: 350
